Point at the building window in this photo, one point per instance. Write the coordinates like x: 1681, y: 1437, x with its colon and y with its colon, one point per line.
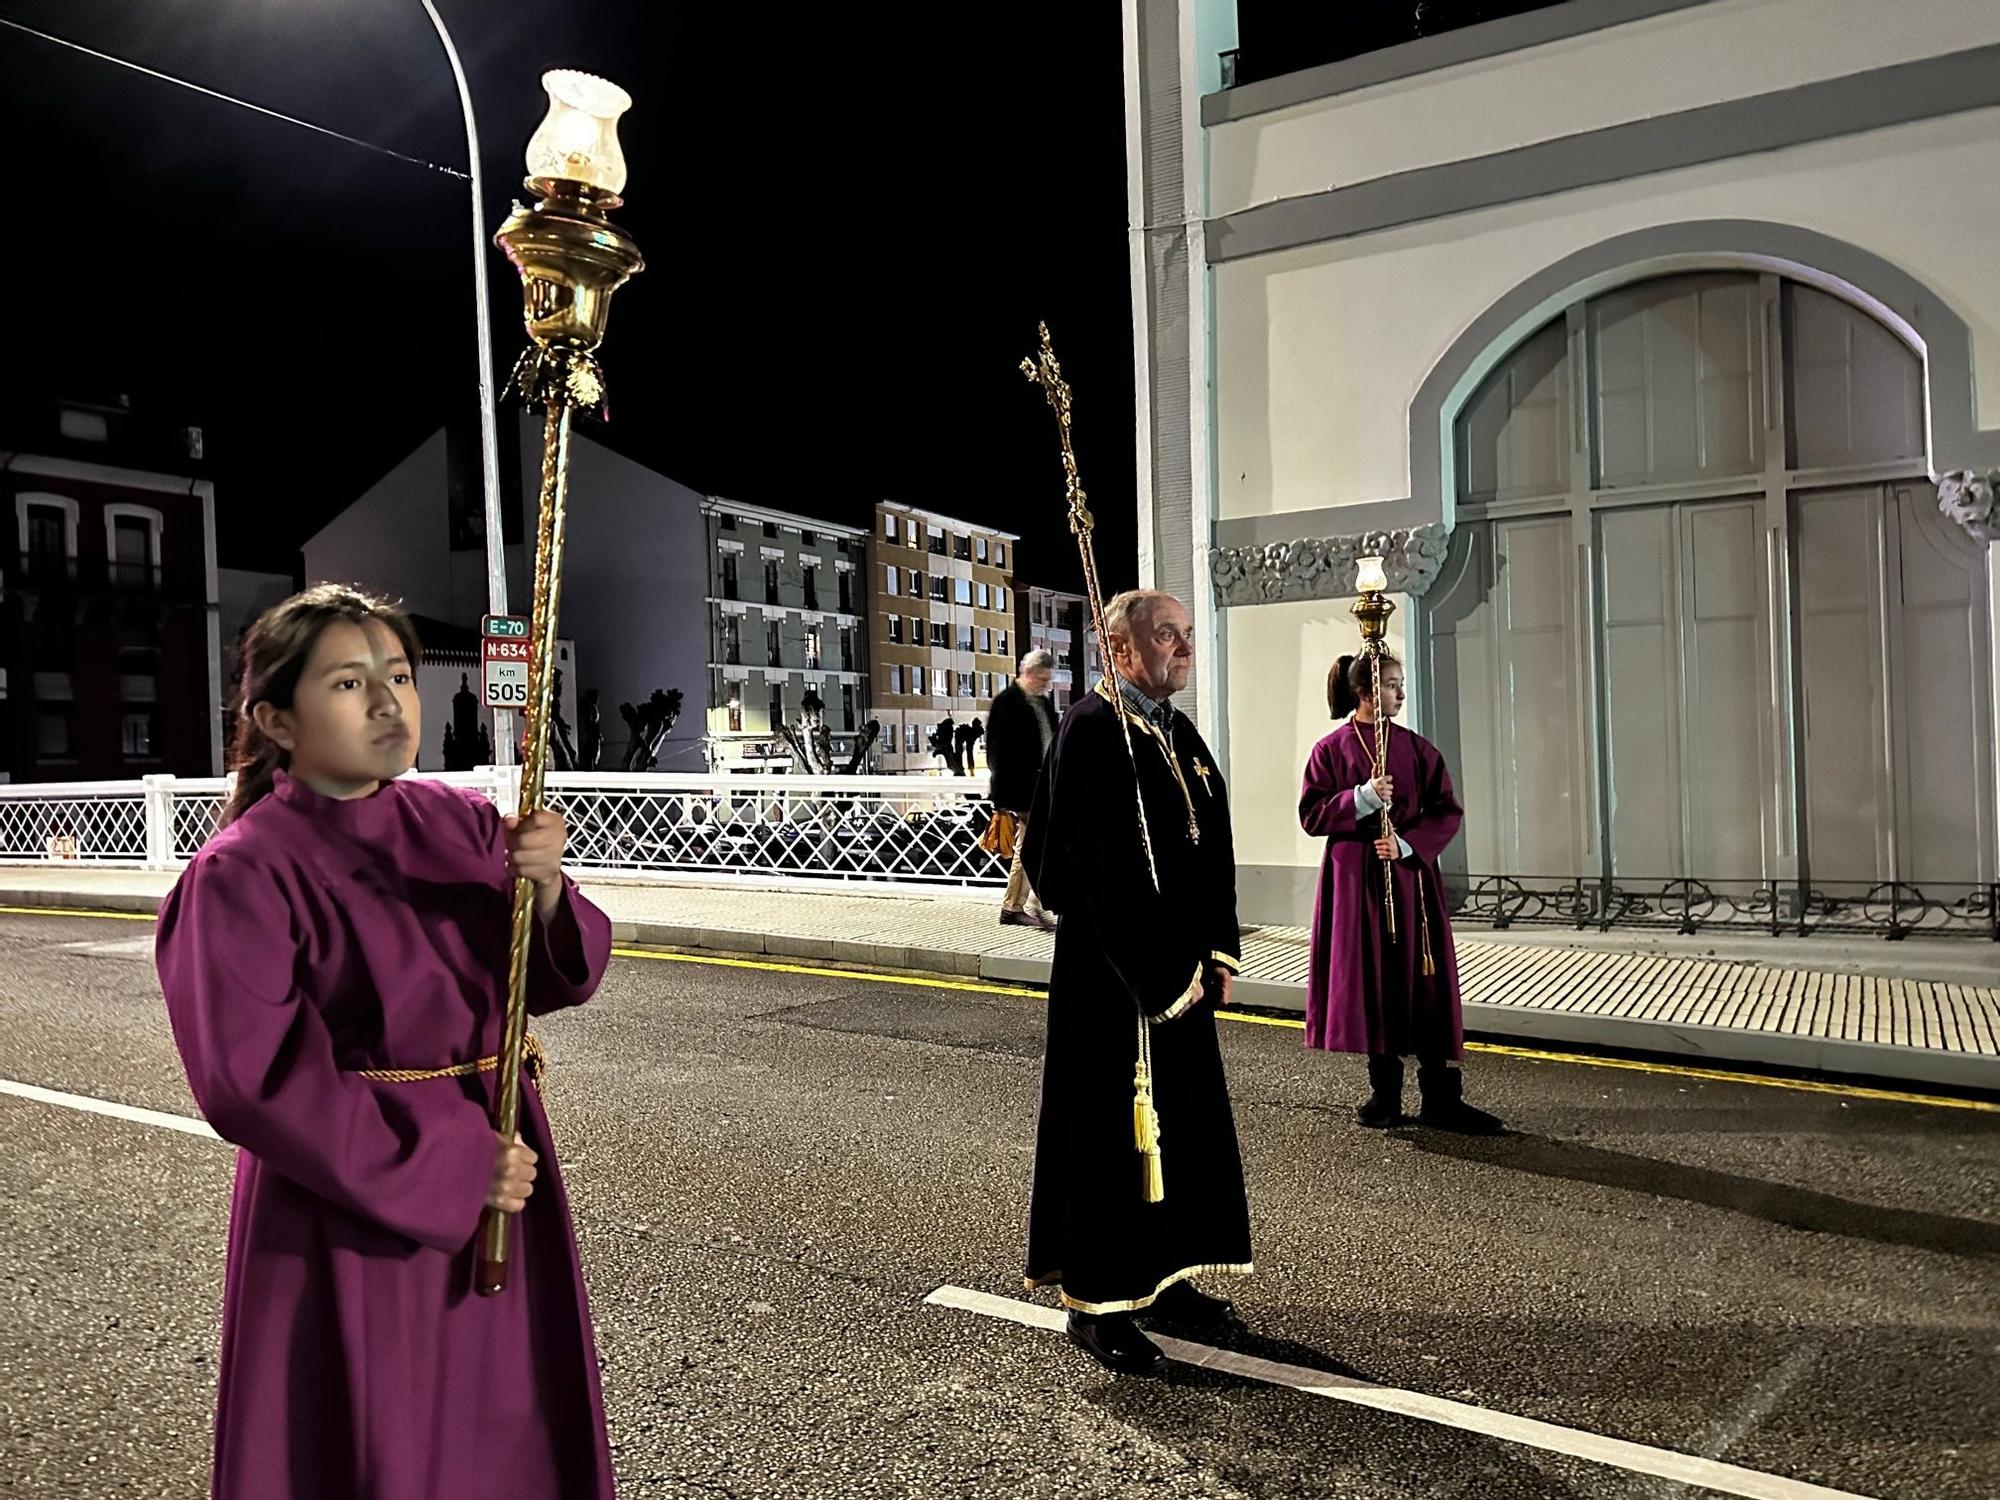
x: 940, y: 683
x: 847, y: 651
x: 938, y: 582
x: 961, y: 548
x: 732, y: 639
x: 895, y: 678
x: 962, y: 590
x: 727, y: 521
x: 48, y: 545
x: 888, y: 528
x: 736, y: 710
x: 1000, y: 642
x: 812, y: 587
x: 982, y: 549
x: 895, y: 629
x: 773, y: 643
x: 846, y: 591
x: 132, y: 560
x: 841, y: 547
x: 731, y: 589
x: 965, y: 637
x: 770, y: 528
x: 777, y: 705
x: 889, y: 577
x: 138, y: 736
x: 912, y: 743
x: 812, y: 648
x: 809, y: 538
x: 937, y: 541
x: 916, y: 583
x: 916, y: 631
x: 985, y: 596
x: 770, y: 580
x: 52, y: 741
x: 847, y: 705
x: 986, y: 639
x: 965, y: 684
x: 999, y: 554
x: 1000, y: 599
x: 940, y: 635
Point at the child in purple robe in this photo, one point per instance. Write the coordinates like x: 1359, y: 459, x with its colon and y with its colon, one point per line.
x: 334, y: 963
x: 1388, y: 999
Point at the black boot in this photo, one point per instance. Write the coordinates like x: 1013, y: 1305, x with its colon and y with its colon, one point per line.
x: 1114, y: 1341
x: 1384, y: 1105
x: 1444, y: 1106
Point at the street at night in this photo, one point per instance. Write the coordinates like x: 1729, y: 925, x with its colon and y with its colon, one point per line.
x: 772, y: 1168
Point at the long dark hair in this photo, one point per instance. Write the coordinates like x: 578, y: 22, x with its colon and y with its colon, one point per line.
x: 1351, y: 680
x: 274, y: 655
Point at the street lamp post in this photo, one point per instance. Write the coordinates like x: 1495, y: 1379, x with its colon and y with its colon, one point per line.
x: 489, y: 435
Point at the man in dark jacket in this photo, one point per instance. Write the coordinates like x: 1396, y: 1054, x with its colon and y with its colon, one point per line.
x: 1019, y: 730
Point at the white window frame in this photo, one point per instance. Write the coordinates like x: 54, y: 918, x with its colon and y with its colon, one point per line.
x: 120, y: 509
x: 27, y: 499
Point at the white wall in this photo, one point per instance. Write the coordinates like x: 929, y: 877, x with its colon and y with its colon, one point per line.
x: 1682, y: 60
x: 634, y: 587
x: 1320, y: 351
x: 1278, y: 657
x: 395, y: 539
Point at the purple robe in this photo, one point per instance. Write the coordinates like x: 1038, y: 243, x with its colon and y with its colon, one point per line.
x: 1365, y: 993
x: 311, y: 939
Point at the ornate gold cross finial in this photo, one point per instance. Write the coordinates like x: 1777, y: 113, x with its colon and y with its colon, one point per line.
x: 1203, y: 772
x: 1045, y: 371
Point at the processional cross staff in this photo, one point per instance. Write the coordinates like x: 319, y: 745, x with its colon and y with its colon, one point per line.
x: 571, y: 258
x: 1045, y: 372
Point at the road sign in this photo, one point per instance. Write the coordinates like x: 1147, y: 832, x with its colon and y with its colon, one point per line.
x: 503, y: 661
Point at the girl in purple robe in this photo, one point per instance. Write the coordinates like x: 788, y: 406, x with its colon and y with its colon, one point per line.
x: 1387, y: 1000
x: 334, y: 964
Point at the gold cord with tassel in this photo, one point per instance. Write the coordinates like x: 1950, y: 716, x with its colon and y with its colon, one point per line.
x: 1424, y: 924
x: 1146, y: 1118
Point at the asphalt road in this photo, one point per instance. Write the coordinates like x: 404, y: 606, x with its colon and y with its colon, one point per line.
x: 771, y: 1170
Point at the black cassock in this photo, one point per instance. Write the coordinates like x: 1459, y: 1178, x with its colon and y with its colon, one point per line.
x: 1124, y: 949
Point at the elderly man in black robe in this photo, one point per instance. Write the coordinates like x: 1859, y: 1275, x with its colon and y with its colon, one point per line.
x: 1144, y: 955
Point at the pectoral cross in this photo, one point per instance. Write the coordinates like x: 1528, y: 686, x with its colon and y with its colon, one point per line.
x: 1201, y: 771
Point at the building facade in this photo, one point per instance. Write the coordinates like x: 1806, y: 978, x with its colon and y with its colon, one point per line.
x: 1639, y: 345
x: 784, y: 620
x: 941, y: 625
x: 634, y: 577
x: 1059, y: 623
x: 110, y: 656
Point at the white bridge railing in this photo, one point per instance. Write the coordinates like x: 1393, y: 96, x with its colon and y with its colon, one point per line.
x: 908, y: 833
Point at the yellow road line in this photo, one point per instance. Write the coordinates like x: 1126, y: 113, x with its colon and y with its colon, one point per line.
x: 70, y: 911
x: 929, y: 982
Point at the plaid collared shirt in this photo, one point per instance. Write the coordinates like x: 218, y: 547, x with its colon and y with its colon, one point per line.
x: 1160, y: 714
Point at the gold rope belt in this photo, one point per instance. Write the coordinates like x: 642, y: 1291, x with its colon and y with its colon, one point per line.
x: 534, y: 1062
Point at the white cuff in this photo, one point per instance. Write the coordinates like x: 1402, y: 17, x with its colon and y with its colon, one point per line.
x: 1366, y: 803
x: 1402, y: 847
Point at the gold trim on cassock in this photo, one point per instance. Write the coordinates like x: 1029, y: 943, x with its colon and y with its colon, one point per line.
x: 1184, y: 1003
x: 1137, y: 1304
x: 1227, y: 961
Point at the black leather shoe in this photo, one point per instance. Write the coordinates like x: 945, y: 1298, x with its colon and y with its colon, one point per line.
x: 1114, y: 1341
x: 1384, y: 1105
x: 1188, y: 1306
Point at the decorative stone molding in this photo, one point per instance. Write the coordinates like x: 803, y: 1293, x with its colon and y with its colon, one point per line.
x: 1323, y: 567
x: 1969, y: 499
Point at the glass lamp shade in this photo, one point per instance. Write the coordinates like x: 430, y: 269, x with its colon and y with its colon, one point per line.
x: 577, y: 140
x: 1369, y: 577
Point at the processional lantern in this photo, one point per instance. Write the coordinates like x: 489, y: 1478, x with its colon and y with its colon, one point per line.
x: 571, y: 258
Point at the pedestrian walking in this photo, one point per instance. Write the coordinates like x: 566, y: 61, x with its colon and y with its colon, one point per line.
x: 1020, y: 727
x: 335, y: 969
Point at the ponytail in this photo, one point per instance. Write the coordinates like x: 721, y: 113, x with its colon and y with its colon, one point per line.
x: 274, y: 653
x: 1340, y: 696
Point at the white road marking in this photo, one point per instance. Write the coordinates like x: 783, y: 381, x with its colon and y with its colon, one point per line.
x: 158, y: 1118
x: 1638, y: 1458
x: 138, y: 947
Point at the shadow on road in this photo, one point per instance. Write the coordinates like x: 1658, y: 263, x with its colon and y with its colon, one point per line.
x: 1774, y: 1202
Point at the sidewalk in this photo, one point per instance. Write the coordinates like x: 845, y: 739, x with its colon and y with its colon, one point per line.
x: 1919, y: 1011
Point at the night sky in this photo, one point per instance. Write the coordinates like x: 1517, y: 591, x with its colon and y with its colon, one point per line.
x: 851, y: 221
